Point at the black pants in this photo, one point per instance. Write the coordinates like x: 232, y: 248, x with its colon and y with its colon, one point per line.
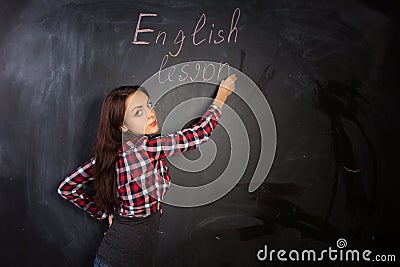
x: 131, y: 241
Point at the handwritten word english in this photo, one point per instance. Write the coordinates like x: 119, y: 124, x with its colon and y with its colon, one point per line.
x: 180, y: 36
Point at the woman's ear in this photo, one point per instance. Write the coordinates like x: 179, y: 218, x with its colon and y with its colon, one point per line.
x: 123, y: 128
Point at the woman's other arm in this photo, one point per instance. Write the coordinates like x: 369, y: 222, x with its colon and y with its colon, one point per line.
x: 72, y: 189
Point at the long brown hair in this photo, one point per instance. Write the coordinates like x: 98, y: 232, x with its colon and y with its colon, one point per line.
x: 108, y: 142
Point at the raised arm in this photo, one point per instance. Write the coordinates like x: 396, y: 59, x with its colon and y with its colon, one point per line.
x: 190, y: 138
x: 72, y: 189
x: 187, y: 139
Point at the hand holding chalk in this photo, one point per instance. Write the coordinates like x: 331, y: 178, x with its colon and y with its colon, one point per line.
x: 227, y: 86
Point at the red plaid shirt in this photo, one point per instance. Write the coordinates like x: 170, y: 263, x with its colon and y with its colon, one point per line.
x: 143, y: 176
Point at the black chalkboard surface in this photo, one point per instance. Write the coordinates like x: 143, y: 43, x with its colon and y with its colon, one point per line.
x: 327, y: 70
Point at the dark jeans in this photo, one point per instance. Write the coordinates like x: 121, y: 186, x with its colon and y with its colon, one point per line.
x: 99, y: 262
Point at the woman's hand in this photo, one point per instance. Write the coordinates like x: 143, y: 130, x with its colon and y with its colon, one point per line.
x: 227, y: 86
x: 110, y: 217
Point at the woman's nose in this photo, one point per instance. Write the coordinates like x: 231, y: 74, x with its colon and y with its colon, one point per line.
x: 152, y: 112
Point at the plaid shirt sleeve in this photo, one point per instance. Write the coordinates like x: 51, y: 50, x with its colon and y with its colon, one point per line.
x: 72, y: 189
x: 187, y: 139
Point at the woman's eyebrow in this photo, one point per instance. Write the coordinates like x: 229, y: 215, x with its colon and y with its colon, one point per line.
x: 148, y: 100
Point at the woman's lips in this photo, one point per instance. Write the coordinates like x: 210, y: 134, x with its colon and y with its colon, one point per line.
x: 154, y: 123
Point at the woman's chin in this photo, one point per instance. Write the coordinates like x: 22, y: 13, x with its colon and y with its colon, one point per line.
x: 152, y: 130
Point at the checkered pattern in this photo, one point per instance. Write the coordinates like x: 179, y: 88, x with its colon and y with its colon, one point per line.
x: 143, y: 176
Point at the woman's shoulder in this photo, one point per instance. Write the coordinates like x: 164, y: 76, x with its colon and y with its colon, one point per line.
x: 132, y: 145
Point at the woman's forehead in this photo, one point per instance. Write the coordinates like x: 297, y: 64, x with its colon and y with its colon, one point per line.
x: 137, y: 98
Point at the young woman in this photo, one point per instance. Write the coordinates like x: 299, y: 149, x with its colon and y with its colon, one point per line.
x: 129, y: 172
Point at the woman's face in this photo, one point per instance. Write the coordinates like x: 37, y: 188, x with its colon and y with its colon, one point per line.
x: 140, y: 117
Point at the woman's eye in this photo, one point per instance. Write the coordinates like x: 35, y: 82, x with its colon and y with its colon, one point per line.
x: 138, y: 113
x: 149, y: 104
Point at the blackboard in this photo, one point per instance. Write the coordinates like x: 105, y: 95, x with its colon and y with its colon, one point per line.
x: 326, y: 69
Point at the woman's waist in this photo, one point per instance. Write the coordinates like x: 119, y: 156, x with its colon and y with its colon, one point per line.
x: 136, y: 215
